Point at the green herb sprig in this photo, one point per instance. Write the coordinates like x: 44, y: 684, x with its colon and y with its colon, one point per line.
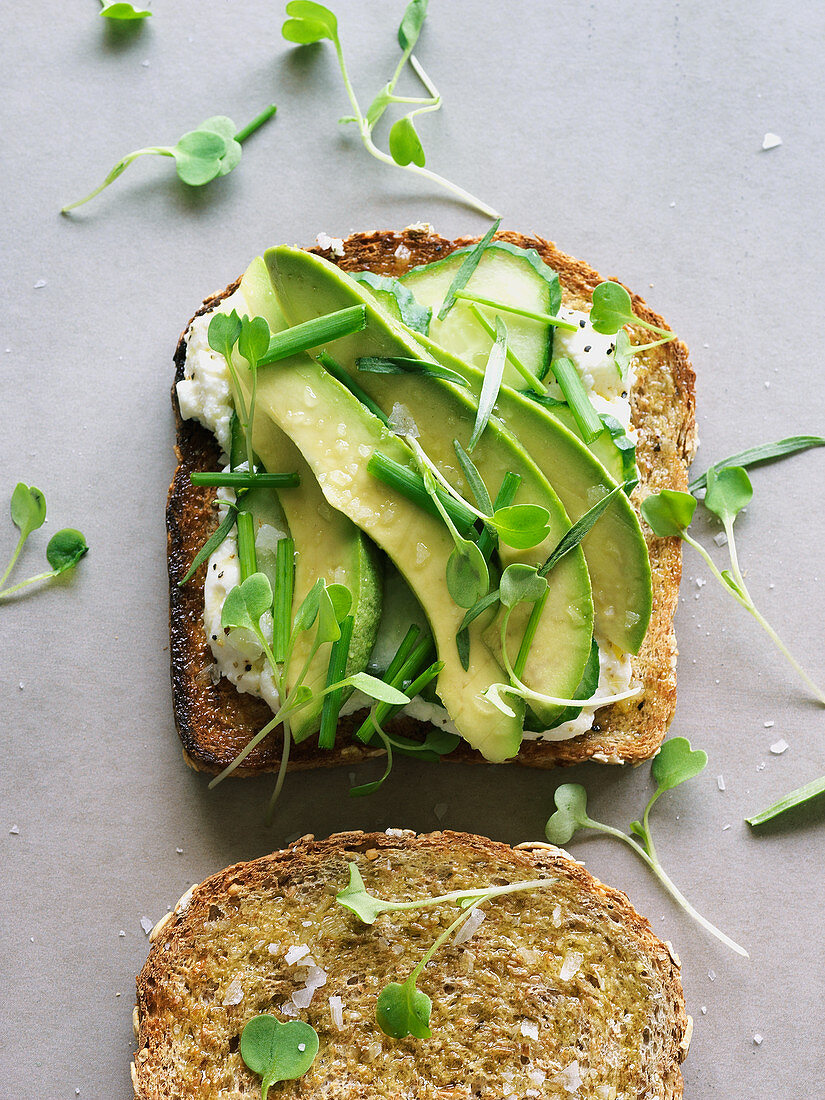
x: 201, y: 155
x: 402, y: 1009
x: 757, y: 456
x: 310, y: 22
x: 64, y: 549
x: 278, y: 1051
x: 122, y: 12
x: 799, y: 797
x: 729, y: 490
x: 612, y: 309
x: 675, y: 763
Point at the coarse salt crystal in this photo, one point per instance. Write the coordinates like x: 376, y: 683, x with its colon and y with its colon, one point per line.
x: 720, y: 782
x: 401, y: 422
x: 570, y: 1077
x: 571, y: 965
x: 469, y: 928
x: 302, y: 1047
x: 768, y: 725
x: 704, y: 1010
x: 234, y: 994
x: 289, y: 1009
x: 529, y: 1029
x: 293, y: 954
x: 712, y: 975
x: 14, y: 831
x: 39, y: 284
x: 757, y: 1039
x: 273, y: 948
x: 720, y: 539
x: 334, y: 244
x: 771, y: 141
x: 557, y: 916
x: 146, y: 925
x: 778, y: 747
x: 336, y: 1009
x: 121, y: 933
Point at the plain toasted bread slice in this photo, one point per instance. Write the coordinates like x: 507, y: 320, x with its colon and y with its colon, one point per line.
x: 563, y: 990
x: 215, y: 721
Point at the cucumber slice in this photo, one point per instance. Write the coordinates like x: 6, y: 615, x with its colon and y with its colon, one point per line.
x: 514, y: 276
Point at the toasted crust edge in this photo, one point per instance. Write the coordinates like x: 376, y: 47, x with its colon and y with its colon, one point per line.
x: 169, y: 932
x: 215, y: 721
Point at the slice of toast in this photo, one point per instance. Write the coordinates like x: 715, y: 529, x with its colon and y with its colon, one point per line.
x: 215, y: 721
x: 563, y: 990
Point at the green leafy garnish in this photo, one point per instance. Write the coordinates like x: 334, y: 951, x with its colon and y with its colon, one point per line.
x: 612, y: 309
x: 765, y: 452
x: 402, y: 364
x: 276, y: 1051
x: 213, y: 542
x: 410, y: 310
x: 493, y: 373
x: 571, y: 539
x: 468, y: 578
x: 122, y: 12
x: 729, y: 490
x: 536, y: 385
x: 212, y: 150
x: 466, y: 270
x: 310, y: 22
x: 675, y: 763
x: 798, y: 797
x: 251, y: 337
x: 64, y: 549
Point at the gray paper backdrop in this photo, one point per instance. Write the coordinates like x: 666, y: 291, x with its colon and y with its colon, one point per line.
x: 631, y: 135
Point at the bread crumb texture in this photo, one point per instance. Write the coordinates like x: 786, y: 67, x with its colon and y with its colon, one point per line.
x: 560, y: 992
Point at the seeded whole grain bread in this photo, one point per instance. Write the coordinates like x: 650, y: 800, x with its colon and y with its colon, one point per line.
x: 564, y: 990
x: 215, y: 721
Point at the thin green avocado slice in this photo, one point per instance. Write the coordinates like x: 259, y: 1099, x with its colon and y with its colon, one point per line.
x: 337, y: 435
x: 615, y: 549
x: 327, y: 544
x: 308, y: 286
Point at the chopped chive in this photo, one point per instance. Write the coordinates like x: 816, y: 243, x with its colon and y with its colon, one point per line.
x: 212, y: 543
x: 258, y: 121
x: 796, y: 798
x: 532, y: 380
x: 545, y: 318
x: 337, y: 670
x: 410, y: 667
x: 474, y: 479
x: 487, y: 540
x: 311, y: 334
x: 337, y: 371
x: 529, y: 634
x: 411, y: 485
x: 284, y: 591
x: 465, y: 271
x: 576, y: 397
x: 247, y: 558
x: 240, y: 479
x: 364, y: 732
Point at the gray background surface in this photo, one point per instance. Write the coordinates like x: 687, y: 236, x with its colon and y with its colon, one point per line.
x: 628, y: 133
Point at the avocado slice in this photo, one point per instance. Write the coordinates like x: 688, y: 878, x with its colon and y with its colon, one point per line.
x: 327, y: 544
x: 615, y: 549
x: 337, y: 435
x: 308, y: 286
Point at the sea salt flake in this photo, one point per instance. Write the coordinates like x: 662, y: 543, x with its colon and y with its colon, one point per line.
x: 704, y: 1010
x: 146, y: 925
x: 768, y: 725
x: 720, y: 539
x: 571, y: 965
x: 39, y: 284
x: 720, y: 782
x: 712, y: 975
x: 771, y: 141
x: 529, y: 1029
x: 234, y: 993
x: 757, y: 1039
x: 293, y: 954
x: 336, y: 1009
x: 14, y: 831
x: 778, y: 747
x: 469, y: 928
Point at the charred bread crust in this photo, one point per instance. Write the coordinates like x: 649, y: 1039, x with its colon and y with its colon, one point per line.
x: 215, y: 721
x: 320, y: 865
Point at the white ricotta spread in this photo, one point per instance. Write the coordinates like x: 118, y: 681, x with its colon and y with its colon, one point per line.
x: 205, y: 394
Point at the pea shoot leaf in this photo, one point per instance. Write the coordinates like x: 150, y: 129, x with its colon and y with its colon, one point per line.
x: 376, y: 689
x: 223, y: 332
x: 341, y: 600
x: 253, y: 340
x: 611, y: 309
x: 468, y: 577
x: 623, y: 353
x: 28, y: 508
x: 328, y: 627
x: 359, y: 900
x: 310, y: 23
x: 669, y: 512
x: 521, y: 583
x: 570, y: 814
x: 402, y: 1009
x: 123, y: 12
x: 521, y: 525
x: 65, y: 550
x: 411, y: 24
x: 308, y: 610
x: 246, y: 603
x: 729, y: 490
x: 278, y: 1051
x: 405, y: 144
x: 676, y: 762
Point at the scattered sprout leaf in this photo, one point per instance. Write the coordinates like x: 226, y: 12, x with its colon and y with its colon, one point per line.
x: 570, y: 814
x: 676, y: 762
x: 28, y: 508
x: 278, y: 1051
x: 246, y: 603
x: 669, y: 512
x: 405, y: 144
x: 65, y: 550
x: 402, y: 1009
x: 729, y: 490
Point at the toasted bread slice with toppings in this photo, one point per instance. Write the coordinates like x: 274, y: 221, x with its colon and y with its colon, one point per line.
x: 215, y: 721
x: 562, y: 990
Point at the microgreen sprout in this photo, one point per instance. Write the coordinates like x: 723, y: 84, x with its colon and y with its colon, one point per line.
x: 808, y: 793
x: 669, y: 514
x: 612, y: 309
x: 310, y: 22
x: 765, y: 452
x: 64, y: 549
x: 468, y: 578
x: 251, y: 336
x: 402, y: 1009
x: 212, y: 150
x: 123, y: 12
x: 278, y: 1051
x: 675, y: 763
